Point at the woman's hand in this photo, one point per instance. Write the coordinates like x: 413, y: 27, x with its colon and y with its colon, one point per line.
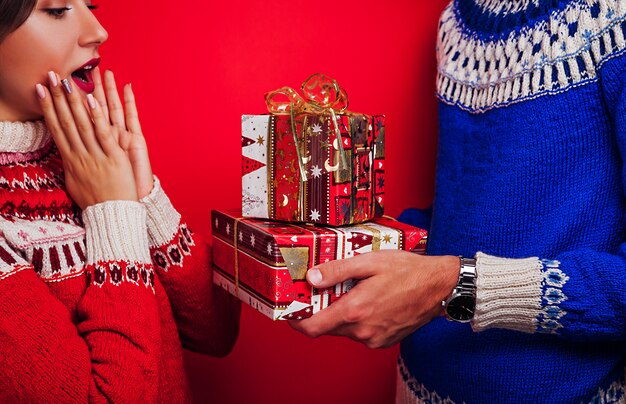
x: 96, y: 167
x: 398, y: 292
x: 126, y: 120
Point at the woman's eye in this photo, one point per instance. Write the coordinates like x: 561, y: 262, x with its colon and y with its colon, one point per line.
x: 57, y: 12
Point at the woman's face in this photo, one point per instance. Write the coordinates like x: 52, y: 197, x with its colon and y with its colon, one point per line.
x: 59, y: 35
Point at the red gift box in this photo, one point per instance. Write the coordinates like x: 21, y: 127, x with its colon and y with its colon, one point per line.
x: 320, y: 165
x: 264, y: 263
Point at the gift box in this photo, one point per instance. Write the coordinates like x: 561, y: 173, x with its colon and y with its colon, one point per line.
x: 313, y: 162
x: 264, y: 263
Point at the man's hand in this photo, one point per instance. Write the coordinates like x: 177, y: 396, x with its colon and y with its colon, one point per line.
x: 397, y: 293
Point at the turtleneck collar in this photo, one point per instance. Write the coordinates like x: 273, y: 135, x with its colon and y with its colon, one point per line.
x: 23, y: 137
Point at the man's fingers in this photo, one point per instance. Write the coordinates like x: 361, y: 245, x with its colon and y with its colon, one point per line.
x: 327, y: 321
x: 334, y: 272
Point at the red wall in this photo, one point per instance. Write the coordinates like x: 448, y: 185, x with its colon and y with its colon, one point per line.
x: 197, y: 65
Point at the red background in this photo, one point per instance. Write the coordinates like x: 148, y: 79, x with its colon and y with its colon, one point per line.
x: 196, y: 66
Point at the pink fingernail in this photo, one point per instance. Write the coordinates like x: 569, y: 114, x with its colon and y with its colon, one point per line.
x: 91, y: 101
x: 53, y: 79
x: 40, y: 91
x: 315, y: 276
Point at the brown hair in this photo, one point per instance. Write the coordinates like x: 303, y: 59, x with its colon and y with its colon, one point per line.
x: 13, y: 13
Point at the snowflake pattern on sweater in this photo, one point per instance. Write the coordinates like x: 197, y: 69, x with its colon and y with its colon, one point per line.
x: 487, y: 61
x: 88, y: 314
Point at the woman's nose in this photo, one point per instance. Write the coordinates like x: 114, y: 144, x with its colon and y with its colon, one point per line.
x: 92, y: 32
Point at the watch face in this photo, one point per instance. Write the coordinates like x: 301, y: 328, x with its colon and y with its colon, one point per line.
x: 461, y: 308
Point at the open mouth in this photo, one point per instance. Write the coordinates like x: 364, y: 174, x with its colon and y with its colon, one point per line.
x: 83, y: 76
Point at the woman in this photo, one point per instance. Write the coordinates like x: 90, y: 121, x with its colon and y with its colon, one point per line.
x: 101, y: 283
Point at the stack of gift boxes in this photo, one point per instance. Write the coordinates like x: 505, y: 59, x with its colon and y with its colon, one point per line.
x: 312, y: 192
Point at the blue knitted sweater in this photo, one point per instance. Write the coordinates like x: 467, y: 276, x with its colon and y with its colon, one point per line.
x: 530, y: 179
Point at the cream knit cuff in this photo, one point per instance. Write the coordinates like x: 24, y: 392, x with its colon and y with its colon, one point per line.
x: 508, y: 293
x: 163, y: 219
x: 116, y: 230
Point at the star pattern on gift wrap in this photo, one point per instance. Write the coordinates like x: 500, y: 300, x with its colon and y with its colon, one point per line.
x: 260, y: 140
x: 217, y: 223
x: 241, y: 237
x: 316, y: 129
x: 316, y: 171
x: 315, y: 215
x: 344, y: 208
x: 387, y: 238
x: 269, y: 248
x: 252, y: 240
x: 228, y: 229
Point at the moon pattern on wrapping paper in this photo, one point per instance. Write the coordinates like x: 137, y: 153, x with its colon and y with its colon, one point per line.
x: 305, y: 160
x: 330, y: 168
x: 336, y: 144
x: 285, y: 200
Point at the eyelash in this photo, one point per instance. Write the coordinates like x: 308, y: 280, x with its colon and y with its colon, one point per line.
x: 58, y: 13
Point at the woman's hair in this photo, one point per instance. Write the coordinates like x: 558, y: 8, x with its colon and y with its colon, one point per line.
x: 13, y: 13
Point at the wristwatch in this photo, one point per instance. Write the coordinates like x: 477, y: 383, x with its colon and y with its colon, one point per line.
x: 460, y: 305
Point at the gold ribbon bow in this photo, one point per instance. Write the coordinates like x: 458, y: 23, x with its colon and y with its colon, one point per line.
x: 322, y: 95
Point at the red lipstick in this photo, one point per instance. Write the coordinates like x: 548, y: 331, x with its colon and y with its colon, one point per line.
x: 83, y: 76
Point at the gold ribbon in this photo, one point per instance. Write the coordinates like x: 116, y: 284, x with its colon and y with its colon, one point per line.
x: 375, y: 236
x: 322, y: 95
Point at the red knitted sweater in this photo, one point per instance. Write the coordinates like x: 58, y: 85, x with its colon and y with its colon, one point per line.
x: 95, y: 304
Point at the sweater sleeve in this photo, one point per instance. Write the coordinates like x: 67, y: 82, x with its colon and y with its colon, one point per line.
x: 110, y: 354
x: 207, y: 316
x: 578, y: 294
x: 417, y: 217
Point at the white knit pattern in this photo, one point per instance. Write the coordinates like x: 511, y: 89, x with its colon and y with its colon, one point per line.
x: 505, y: 6
x: 556, y: 54
x: 163, y: 219
x: 614, y: 394
x: 116, y: 230
x: 16, y: 261
x: 508, y: 293
x: 49, y: 241
x: 23, y: 137
x: 411, y: 391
